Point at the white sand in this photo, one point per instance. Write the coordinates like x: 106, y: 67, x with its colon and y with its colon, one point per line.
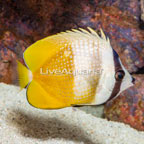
x: 20, y: 123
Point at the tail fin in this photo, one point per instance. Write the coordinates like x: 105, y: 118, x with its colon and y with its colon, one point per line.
x: 24, y: 75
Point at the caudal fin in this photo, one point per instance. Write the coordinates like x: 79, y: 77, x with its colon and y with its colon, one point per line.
x: 24, y: 75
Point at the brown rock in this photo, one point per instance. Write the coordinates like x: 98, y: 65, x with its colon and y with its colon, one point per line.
x: 142, y: 10
x: 129, y: 106
x: 12, y: 49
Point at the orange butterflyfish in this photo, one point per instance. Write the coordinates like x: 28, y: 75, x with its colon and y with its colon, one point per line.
x: 77, y: 67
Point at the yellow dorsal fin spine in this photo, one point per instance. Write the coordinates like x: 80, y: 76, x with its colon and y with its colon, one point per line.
x: 93, y: 32
x: 25, y: 75
x: 102, y: 34
x: 108, y: 40
x: 82, y: 33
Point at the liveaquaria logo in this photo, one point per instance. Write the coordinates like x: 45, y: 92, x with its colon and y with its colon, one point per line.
x: 46, y: 71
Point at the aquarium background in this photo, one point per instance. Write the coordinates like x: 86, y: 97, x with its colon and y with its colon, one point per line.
x: 23, y: 22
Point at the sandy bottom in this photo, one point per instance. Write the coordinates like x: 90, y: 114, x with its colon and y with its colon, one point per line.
x: 20, y: 123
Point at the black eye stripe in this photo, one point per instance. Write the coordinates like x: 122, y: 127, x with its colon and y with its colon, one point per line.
x: 116, y: 61
x: 118, y: 67
x: 115, y: 54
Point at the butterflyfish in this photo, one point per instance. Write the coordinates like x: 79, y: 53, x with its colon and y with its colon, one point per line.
x: 76, y: 67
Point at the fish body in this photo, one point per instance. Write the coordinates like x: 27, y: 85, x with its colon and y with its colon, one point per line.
x: 76, y: 67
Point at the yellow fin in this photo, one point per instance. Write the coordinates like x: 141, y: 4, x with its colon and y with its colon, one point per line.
x: 39, y: 98
x: 108, y: 40
x: 93, y: 32
x: 84, y: 31
x: 24, y: 75
x: 43, y: 50
x: 36, y: 54
x: 102, y: 34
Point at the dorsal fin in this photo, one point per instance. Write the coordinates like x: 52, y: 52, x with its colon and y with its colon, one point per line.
x: 46, y: 48
x: 76, y: 33
x: 102, y: 34
x: 93, y: 32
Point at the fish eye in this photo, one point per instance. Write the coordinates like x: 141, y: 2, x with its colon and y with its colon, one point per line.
x: 119, y: 75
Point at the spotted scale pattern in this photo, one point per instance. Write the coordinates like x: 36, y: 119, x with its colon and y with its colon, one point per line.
x: 72, y: 74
